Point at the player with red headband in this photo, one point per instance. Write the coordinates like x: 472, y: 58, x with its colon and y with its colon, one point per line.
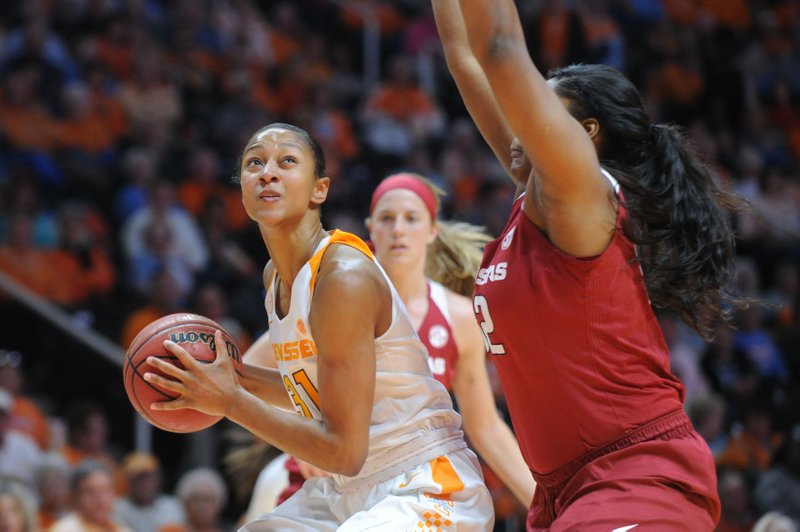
x: 433, y: 264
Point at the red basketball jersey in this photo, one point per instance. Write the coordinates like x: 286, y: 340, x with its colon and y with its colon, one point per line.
x: 437, y: 335
x: 578, y: 350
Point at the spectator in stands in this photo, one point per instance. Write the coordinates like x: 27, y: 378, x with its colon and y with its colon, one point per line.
x: 93, y: 495
x: 26, y: 415
x: 399, y: 114
x: 707, y: 413
x: 204, y: 494
x: 163, y: 296
x: 87, y: 437
x: 187, y: 245
x: 17, y: 508
x: 555, y: 34
x: 83, y: 261
x: 778, y: 488
x: 22, y: 260
x: 738, y: 514
x: 758, y: 343
x: 729, y: 371
x: 139, y: 167
x: 146, y: 508
x: 52, y: 489
x: 774, y: 522
x: 19, y: 454
x: 751, y: 450
x: 229, y: 264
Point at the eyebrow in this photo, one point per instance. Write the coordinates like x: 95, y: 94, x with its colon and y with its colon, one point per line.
x: 280, y: 145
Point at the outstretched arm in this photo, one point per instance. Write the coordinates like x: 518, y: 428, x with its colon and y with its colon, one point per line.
x: 574, y: 201
x: 488, y: 433
x: 474, y: 87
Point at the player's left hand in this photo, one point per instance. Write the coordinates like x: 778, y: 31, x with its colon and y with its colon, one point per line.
x: 207, y: 387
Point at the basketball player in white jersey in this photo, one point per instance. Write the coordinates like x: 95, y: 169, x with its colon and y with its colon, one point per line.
x: 348, y: 362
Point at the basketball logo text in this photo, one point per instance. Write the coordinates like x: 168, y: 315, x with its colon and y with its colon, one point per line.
x: 193, y: 337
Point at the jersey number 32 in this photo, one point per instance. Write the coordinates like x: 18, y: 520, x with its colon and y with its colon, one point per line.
x: 481, y: 308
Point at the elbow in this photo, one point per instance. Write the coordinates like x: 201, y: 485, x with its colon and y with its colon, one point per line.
x: 349, y: 460
x: 495, y: 48
x: 350, y: 466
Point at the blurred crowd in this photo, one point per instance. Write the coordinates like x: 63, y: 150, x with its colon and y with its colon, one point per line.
x: 121, y: 123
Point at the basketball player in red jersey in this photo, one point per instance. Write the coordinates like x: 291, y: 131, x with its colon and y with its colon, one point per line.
x: 432, y: 263
x: 564, y: 296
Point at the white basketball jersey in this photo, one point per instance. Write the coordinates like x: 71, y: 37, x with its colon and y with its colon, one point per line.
x: 410, y: 408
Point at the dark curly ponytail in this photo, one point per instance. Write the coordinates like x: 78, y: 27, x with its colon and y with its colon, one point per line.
x: 679, y: 217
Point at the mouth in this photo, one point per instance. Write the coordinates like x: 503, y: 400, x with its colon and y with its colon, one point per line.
x: 269, y: 195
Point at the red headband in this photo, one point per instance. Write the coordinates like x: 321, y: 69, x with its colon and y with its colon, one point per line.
x: 408, y: 182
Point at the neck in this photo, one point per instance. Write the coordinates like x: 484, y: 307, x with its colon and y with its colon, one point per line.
x: 410, y: 283
x: 290, y: 250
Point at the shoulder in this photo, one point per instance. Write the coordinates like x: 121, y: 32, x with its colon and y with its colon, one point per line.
x: 460, y: 308
x: 349, y: 270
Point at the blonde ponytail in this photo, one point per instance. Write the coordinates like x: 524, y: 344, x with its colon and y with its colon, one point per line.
x: 454, y: 257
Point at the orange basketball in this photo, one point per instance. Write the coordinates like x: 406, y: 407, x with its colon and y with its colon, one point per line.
x: 195, y: 334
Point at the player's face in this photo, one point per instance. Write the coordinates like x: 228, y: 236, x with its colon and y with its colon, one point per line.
x: 277, y: 177
x: 401, y: 228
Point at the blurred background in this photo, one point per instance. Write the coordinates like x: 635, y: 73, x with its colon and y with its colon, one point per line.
x: 121, y: 122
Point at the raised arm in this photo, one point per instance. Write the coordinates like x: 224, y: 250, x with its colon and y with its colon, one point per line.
x: 488, y: 433
x: 570, y: 199
x: 473, y: 85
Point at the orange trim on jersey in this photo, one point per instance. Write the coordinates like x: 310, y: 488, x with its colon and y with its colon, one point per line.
x: 337, y: 237
x: 445, y: 475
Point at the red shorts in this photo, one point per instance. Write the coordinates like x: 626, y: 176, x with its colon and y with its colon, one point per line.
x: 659, y: 477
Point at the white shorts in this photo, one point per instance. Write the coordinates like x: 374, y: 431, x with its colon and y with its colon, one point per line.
x: 443, y: 494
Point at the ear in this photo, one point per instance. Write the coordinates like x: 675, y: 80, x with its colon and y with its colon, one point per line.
x: 434, y: 232
x: 321, y: 186
x: 592, y: 127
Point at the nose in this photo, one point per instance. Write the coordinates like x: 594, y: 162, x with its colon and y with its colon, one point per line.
x: 398, y: 226
x: 270, y: 171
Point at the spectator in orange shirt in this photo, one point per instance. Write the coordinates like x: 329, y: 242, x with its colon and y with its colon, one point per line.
x: 26, y: 416
x: 26, y: 121
x: 87, y: 437
x: 85, y: 270
x: 399, y: 114
x: 21, y: 260
x: 203, y: 182
x: 164, y: 297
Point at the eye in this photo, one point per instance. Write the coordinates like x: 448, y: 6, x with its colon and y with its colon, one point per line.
x: 253, y: 161
x: 289, y: 159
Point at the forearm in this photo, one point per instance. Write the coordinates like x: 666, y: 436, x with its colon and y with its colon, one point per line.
x: 498, y: 447
x: 471, y: 81
x: 305, y: 438
x: 266, y: 384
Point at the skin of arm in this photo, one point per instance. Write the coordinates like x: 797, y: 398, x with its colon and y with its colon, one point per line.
x: 489, y: 434
x: 350, y: 307
x: 472, y: 83
x: 574, y: 204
